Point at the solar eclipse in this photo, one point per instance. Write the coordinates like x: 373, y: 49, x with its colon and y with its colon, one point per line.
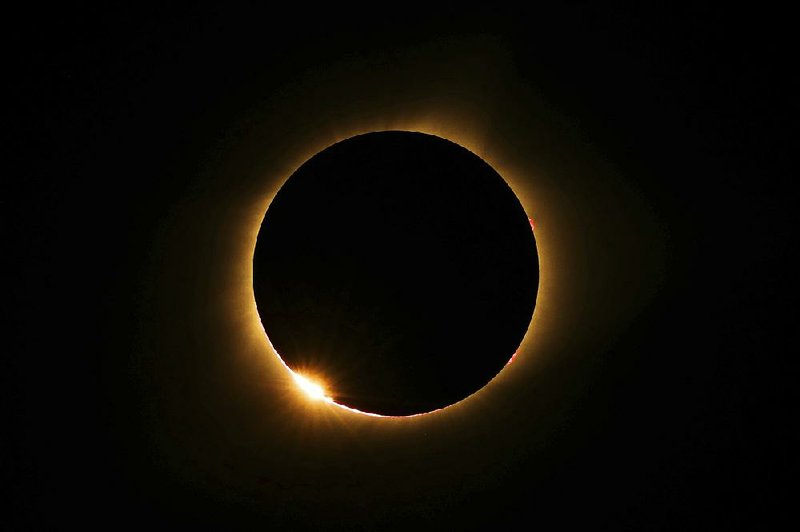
x: 184, y: 244
x: 401, y: 268
x: 214, y: 361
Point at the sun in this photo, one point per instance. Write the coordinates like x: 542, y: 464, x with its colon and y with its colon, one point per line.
x: 312, y: 389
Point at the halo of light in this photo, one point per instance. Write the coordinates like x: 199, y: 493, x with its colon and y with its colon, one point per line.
x: 305, y: 386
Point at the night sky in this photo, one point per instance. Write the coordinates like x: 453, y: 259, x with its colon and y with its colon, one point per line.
x: 649, y: 146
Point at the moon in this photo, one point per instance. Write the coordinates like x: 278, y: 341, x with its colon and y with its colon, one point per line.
x: 399, y: 270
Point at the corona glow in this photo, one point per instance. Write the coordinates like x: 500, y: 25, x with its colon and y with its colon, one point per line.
x: 459, y: 133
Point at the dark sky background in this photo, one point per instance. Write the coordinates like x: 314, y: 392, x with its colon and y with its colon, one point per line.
x: 657, y: 141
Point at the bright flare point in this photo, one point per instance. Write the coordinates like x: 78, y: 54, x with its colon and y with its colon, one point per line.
x: 311, y: 388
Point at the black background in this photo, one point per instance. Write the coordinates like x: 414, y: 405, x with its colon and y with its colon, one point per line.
x: 683, y: 419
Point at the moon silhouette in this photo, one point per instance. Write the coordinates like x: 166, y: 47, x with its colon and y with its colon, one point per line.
x: 396, y: 270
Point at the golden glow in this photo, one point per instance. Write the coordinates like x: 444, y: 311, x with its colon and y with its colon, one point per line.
x: 573, y: 196
x: 457, y: 133
x: 211, y: 370
x: 204, y: 314
x: 311, y: 388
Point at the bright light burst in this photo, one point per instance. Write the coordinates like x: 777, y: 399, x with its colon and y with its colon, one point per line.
x: 312, y: 389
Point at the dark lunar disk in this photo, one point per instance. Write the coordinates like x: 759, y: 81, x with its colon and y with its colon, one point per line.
x: 398, y: 268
